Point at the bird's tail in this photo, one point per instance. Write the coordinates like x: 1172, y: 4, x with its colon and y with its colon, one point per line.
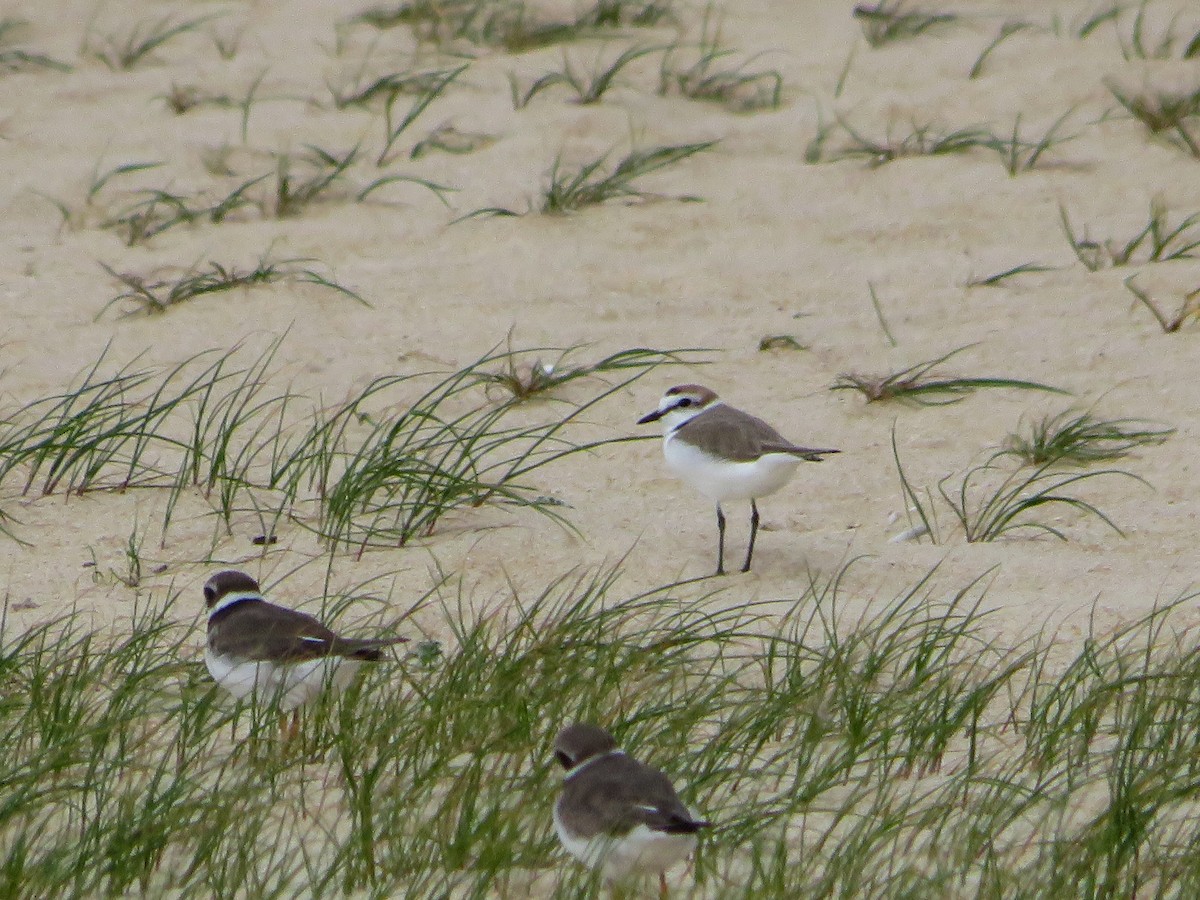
x: 811, y: 454
x: 368, y: 649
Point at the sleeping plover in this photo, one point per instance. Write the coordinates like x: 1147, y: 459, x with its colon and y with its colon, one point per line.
x: 725, y: 453
x: 257, y: 648
x: 616, y: 813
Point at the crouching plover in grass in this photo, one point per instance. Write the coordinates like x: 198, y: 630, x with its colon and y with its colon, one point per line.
x: 255, y: 647
x: 725, y: 453
x: 617, y: 814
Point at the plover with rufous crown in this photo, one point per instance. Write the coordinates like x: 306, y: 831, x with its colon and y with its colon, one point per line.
x: 617, y: 814
x: 725, y: 453
x: 260, y: 649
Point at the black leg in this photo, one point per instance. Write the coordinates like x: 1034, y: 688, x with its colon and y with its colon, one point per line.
x: 753, y: 534
x: 720, y: 541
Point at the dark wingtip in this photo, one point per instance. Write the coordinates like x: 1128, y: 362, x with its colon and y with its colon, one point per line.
x: 686, y: 826
x: 372, y: 651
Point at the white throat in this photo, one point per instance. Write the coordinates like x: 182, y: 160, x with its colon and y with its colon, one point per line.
x: 230, y: 599
x: 680, y: 416
x: 583, y: 765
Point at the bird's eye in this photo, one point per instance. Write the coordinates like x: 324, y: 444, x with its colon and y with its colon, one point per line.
x: 210, y: 593
x: 563, y: 759
x: 686, y: 401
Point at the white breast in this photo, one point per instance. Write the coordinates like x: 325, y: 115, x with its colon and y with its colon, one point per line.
x: 641, y: 851
x: 722, y: 479
x: 295, y: 683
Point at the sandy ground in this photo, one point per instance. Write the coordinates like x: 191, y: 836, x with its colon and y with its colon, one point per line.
x: 777, y: 246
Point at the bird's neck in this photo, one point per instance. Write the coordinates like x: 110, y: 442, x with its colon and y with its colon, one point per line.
x: 229, y: 601
x: 591, y: 760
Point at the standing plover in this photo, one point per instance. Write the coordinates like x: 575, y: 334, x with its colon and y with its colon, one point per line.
x: 616, y: 813
x: 725, y: 453
x: 256, y: 647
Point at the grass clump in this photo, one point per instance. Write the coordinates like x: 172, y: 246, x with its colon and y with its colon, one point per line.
x: 893, y: 20
x: 991, y: 501
x: 592, y: 183
x: 14, y: 58
x: 151, y: 297
x: 589, y: 87
x: 1159, y: 240
x: 918, y: 384
x: 122, y: 52
x: 922, y: 140
x: 1166, y: 114
x: 1021, y: 154
x: 715, y: 77
x: 511, y: 24
x: 1007, y: 30
x: 1138, y: 43
x: 1080, y: 439
x: 377, y: 471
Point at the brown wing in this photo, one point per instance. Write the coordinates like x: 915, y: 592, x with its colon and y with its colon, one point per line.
x: 620, y: 793
x: 740, y: 436
x: 257, y: 630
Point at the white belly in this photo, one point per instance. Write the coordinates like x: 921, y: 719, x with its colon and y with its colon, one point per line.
x: 295, y: 684
x: 641, y: 851
x: 723, y: 480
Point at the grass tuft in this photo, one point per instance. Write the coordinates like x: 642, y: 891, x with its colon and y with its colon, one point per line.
x: 1138, y: 43
x: 715, y: 78
x: 990, y: 503
x: 1189, y: 307
x: 922, y: 140
x: 1080, y: 439
x: 1158, y: 238
x: 1166, y: 114
x: 589, y: 87
x: 152, y: 297
x: 892, y: 20
x: 122, y: 52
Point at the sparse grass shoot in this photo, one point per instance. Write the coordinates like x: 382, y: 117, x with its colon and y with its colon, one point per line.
x: 1020, y: 154
x: 717, y: 78
x: 1167, y: 114
x: 15, y: 58
x: 589, y: 87
x: 1007, y: 30
x: 394, y: 128
x: 997, y: 279
x: 1138, y: 43
x: 893, y: 20
x: 1189, y: 307
x: 150, y: 297
x: 590, y: 184
x: 1158, y: 239
x: 922, y: 140
x: 920, y: 385
x: 990, y: 502
x: 122, y: 52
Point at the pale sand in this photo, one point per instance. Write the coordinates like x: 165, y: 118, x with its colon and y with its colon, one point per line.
x: 776, y: 246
